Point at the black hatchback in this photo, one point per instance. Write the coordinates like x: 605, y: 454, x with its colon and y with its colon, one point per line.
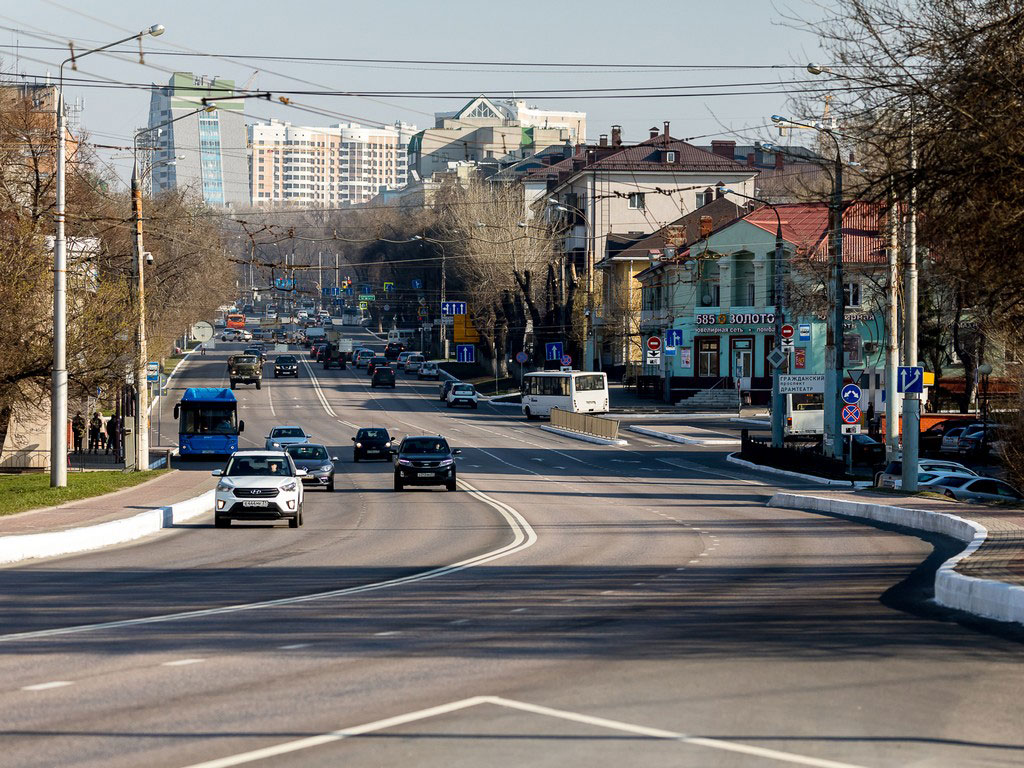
x: 425, y: 460
x: 383, y: 376
x: 371, y: 443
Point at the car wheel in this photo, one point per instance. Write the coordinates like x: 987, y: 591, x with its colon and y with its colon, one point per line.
x: 275, y: 374
x: 221, y: 522
x: 399, y: 486
x: 293, y: 522
x: 949, y: 494
x: 450, y: 485
x: 330, y: 485
x: 232, y: 385
x: 259, y: 385
x: 355, y: 457
x: 449, y: 403
x: 529, y: 415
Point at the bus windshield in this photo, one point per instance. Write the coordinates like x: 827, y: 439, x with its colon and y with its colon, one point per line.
x: 199, y: 419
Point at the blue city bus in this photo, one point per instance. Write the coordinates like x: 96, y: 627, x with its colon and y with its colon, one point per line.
x: 208, y: 422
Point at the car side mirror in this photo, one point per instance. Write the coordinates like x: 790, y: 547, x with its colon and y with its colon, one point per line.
x: 353, y: 439
x: 457, y: 452
x: 217, y: 472
x: 177, y: 409
x: 334, y: 458
x: 300, y: 472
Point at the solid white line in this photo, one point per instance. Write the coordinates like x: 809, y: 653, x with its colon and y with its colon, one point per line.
x: 293, y: 646
x: 270, y: 397
x: 523, y: 537
x: 385, y: 634
x: 47, y: 686
x: 182, y: 662
x: 318, y: 390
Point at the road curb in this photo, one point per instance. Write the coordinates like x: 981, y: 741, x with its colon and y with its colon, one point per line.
x: 33, y: 546
x: 733, y: 458
x: 682, y: 439
x: 581, y: 436
x: 987, y: 598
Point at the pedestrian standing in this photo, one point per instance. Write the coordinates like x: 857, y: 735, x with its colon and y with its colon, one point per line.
x: 78, y: 431
x: 95, y: 425
x: 114, y: 436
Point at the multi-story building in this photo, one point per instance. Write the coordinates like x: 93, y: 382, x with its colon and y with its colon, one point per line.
x: 202, y: 151
x: 486, y: 131
x: 344, y: 164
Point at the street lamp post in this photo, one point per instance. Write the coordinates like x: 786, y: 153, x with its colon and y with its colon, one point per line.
x: 59, y: 374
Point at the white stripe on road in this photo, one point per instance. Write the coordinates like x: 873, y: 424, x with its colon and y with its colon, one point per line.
x: 298, y: 745
x: 182, y: 662
x: 47, y: 686
x: 523, y: 537
x: 318, y: 390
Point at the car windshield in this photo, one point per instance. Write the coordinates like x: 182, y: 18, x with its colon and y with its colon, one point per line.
x: 288, y: 432
x: 286, y: 360
x: 430, y: 445
x: 954, y: 482
x: 245, y: 359
x: 307, y: 452
x: 372, y: 434
x: 271, y: 466
x: 463, y: 388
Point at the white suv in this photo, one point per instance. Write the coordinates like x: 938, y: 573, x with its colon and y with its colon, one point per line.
x: 259, y: 485
x: 462, y: 394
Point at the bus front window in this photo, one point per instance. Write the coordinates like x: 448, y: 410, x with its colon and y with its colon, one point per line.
x: 212, y: 420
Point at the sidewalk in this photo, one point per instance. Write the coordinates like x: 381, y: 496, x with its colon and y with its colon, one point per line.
x: 986, y: 579
x: 162, y: 491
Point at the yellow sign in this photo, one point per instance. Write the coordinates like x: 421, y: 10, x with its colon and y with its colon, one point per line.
x: 463, y: 329
x: 929, y: 379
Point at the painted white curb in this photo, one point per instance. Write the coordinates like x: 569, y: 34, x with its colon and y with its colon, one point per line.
x: 681, y: 416
x: 30, y: 546
x: 683, y: 439
x: 732, y: 458
x: 581, y: 436
x: 755, y: 422
x: 981, y: 597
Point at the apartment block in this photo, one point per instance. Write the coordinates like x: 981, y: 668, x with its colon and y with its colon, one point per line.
x: 344, y: 164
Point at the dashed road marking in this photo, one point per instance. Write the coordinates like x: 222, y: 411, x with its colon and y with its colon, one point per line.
x: 47, y: 686
x: 182, y: 662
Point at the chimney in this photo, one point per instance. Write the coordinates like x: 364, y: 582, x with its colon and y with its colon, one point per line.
x: 706, y: 225
x: 666, y: 133
x: 616, y: 135
x: 654, y: 131
x: 751, y: 159
x: 723, y: 148
x: 603, y: 141
x: 780, y: 161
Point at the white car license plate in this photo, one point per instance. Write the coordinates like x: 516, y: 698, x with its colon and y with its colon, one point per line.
x: 372, y: 450
x: 424, y: 474
x: 259, y: 503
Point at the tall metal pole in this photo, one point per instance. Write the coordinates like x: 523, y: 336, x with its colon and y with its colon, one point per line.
x: 911, y: 401
x: 444, y: 281
x: 891, y: 340
x: 834, y: 334
x: 141, y: 394
x: 59, y: 375
x: 778, y: 407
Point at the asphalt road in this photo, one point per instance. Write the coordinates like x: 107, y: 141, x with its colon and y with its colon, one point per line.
x: 572, y: 604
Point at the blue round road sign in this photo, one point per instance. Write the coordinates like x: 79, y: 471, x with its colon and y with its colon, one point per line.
x: 851, y: 394
x: 522, y: 357
x: 851, y: 414
x: 566, y: 360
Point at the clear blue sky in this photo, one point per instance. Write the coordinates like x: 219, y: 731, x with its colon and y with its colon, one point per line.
x: 740, y: 32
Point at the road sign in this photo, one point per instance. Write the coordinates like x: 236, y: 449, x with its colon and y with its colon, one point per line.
x: 367, y: 297
x: 674, y: 337
x: 522, y: 357
x: 653, y: 357
x: 202, y: 331
x: 153, y: 371
x: 565, y: 360
x: 851, y: 414
x: 553, y: 350
x: 851, y: 394
x: 787, y: 332
x: 450, y: 308
x: 387, y: 307
x: 654, y: 343
x: 801, y: 384
x: 911, y: 379
x: 389, y: 287
x: 787, y: 342
x: 465, y: 353
x: 364, y: 305
x: 805, y: 331
x: 417, y: 285
x: 669, y: 351
x: 851, y: 429
x: 776, y: 358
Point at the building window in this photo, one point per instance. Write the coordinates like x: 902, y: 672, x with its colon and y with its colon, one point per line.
x: 707, y: 357
x: 636, y: 201
x: 851, y: 294
x: 670, y: 157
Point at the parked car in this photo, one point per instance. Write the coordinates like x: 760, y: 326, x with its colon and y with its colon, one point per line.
x: 966, y: 488
x: 428, y: 371
x: 445, y: 388
x: 425, y: 460
x: 933, y: 439
x: 393, y: 350
x: 319, y: 465
x: 374, y: 362
x: 951, y: 440
x: 383, y: 376
x: 866, y: 450
x: 462, y: 394
x: 286, y: 365
x: 892, y: 475
x: 363, y: 356
x: 258, y: 485
x: 280, y: 437
x: 371, y: 443
x: 413, y: 363
x: 978, y: 441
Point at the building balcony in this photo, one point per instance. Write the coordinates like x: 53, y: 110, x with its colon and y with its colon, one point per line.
x: 655, y: 318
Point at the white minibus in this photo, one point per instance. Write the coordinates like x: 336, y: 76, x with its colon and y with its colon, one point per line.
x: 575, y: 391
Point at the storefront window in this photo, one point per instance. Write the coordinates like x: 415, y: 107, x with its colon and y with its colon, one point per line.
x: 707, y: 357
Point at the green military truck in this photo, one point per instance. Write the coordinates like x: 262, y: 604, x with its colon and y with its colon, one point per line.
x: 246, y: 369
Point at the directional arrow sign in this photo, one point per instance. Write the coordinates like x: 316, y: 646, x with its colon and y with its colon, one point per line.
x: 911, y: 379
x: 851, y: 394
x: 465, y: 353
x: 674, y: 337
x: 553, y: 350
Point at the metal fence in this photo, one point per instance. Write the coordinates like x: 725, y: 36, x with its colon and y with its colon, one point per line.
x: 27, y: 460
x: 585, y: 424
x: 805, y: 460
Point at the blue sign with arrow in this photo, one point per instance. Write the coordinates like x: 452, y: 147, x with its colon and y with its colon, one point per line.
x: 553, y: 350
x: 911, y: 379
x: 851, y: 394
x: 674, y: 337
x: 465, y: 353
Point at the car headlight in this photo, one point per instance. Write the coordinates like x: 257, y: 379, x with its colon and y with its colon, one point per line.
x: 387, y: 444
x: 326, y: 467
x: 276, y: 445
x: 405, y: 462
x: 359, y: 445
x: 289, y: 486
x: 225, y: 485
x: 447, y: 462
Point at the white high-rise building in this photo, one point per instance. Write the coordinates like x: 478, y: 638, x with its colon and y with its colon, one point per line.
x: 336, y: 165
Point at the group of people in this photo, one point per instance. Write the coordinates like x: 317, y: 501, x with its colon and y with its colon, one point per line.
x: 103, y: 437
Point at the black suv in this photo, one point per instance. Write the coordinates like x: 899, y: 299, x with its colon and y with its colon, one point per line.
x: 286, y: 365
x: 393, y: 350
x: 371, y: 443
x: 383, y: 376
x: 425, y: 460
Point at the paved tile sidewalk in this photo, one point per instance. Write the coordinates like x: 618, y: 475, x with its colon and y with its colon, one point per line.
x: 167, y: 489
x: 1000, y: 558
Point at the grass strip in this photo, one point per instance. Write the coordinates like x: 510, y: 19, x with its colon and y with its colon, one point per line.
x: 20, y: 493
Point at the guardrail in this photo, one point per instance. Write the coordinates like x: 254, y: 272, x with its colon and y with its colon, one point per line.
x: 15, y: 460
x: 585, y: 424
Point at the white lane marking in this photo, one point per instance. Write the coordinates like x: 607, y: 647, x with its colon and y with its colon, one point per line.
x: 348, y: 424
x: 524, y: 537
x: 182, y: 662
x: 385, y: 634
x: 47, y: 686
x: 309, y: 742
x: 271, y: 398
x: 520, y: 610
x: 459, y: 621
x: 319, y: 391
x: 293, y: 646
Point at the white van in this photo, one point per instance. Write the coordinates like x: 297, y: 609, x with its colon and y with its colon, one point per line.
x: 404, y: 335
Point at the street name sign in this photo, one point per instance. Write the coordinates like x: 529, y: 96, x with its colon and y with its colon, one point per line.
x: 801, y: 384
x: 367, y: 297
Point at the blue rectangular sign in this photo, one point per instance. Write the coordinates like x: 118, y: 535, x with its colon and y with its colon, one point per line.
x: 465, y: 353
x: 553, y: 350
x: 805, y: 331
x: 674, y: 337
x: 910, y: 379
x: 449, y: 308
